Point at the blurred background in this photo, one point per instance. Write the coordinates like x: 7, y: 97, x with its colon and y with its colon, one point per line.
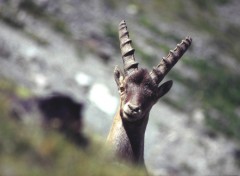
x: 65, y: 51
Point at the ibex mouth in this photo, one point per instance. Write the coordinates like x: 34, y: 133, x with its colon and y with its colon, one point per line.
x: 131, y: 116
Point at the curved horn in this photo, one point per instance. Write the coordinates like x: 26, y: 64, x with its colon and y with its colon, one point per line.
x: 127, y: 50
x: 165, y: 65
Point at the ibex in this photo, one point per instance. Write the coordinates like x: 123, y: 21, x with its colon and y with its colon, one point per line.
x: 139, y: 90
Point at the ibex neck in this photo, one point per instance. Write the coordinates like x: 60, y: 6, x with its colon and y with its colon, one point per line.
x: 127, y: 138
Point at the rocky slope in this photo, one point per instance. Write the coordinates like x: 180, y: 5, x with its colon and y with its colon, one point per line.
x: 71, y: 47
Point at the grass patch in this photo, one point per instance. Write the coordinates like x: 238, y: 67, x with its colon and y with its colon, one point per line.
x: 60, y: 26
x: 219, y: 91
x: 205, y: 4
x: 112, y: 34
x: 148, y: 59
x: 176, y: 104
x: 32, y: 8
x: 8, y: 88
x: 39, y: 12
x: 158, y: 45
x: 156, y: 31
x: 228, y: 40
x: 32, y: 150
x: 9, y: 20
x: 8, y: 16
x: 111, y: 4
x: 37, y: 39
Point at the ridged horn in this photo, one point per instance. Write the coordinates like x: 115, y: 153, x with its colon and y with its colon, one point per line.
x: 166, y: 64
x: 127, y: 50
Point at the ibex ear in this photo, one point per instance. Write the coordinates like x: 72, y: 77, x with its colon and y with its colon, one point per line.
x: 164, y: 88
x: 118, y: 76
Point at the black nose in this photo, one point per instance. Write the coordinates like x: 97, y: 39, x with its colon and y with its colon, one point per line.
x: 133, y: 108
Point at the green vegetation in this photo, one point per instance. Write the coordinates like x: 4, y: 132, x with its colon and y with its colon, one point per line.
x: 156, y: 31
x: 111, y: 4
x: 205, y: 4
x: 60, y: 26
x: 112, y: 34
x: 218, y: 88
x: 161, y: 46
x: 27, y: 149
x: 11, y: 21
x: 8, y: 89
x: 9, y: 15
x: 31, y: 7
x: 36, y: 38
x: 227, y: 40
x: 219, y: 92
x: 39, y: 12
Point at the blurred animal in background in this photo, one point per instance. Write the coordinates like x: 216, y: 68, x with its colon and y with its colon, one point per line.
x: 139, y: 90
x: 57, y: 111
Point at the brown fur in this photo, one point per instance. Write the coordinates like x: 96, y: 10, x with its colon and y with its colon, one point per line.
x: 126, y: 135
x: 139, y: 91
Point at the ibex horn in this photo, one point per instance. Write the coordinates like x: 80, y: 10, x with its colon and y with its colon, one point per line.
x: 165, y: 65
x: 126, y: 49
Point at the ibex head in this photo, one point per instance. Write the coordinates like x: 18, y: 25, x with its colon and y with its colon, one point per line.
x: 139, y: 89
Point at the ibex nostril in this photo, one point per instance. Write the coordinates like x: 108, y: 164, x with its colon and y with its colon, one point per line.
x: 134, y: 108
